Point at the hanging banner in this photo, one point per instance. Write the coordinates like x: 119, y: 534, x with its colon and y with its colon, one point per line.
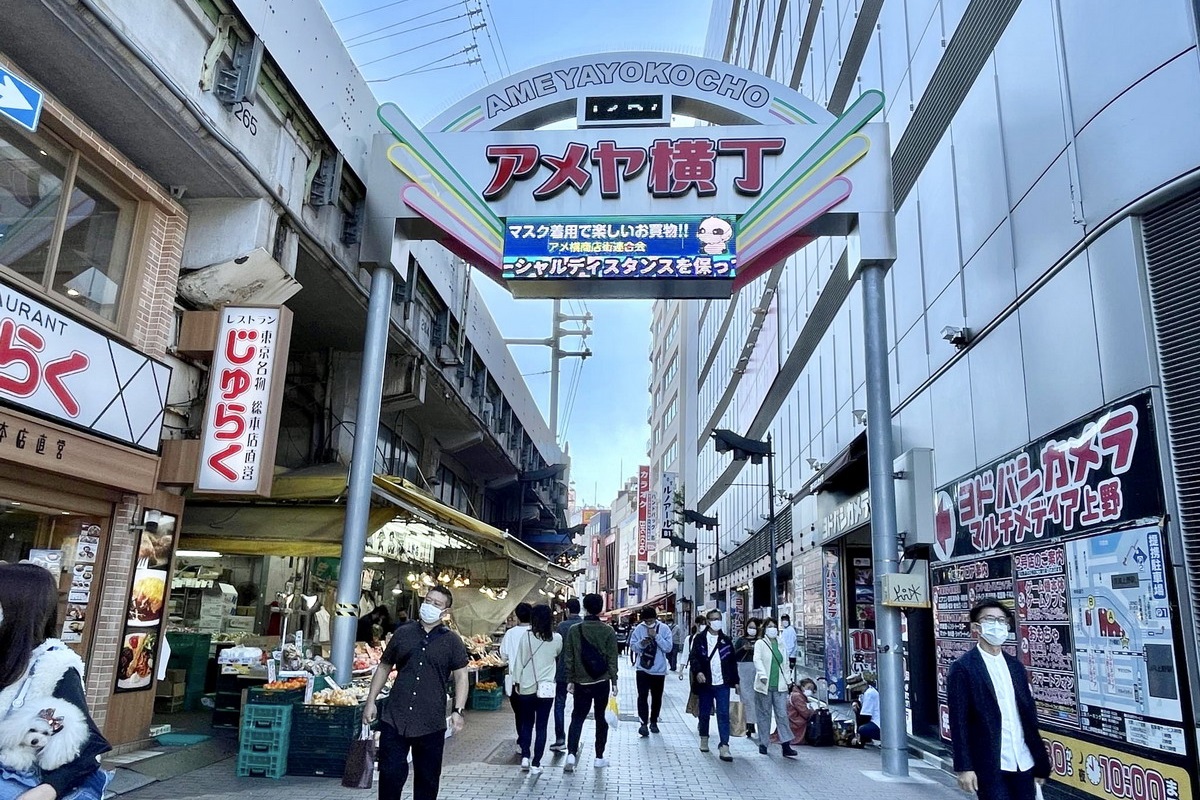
x: 245, y: 390
x: 835, y: 666
x: 643, y: 506
x: 666, y: 505
x: 1099, y: 471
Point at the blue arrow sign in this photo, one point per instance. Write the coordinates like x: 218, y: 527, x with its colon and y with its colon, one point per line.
x: 19, y: 101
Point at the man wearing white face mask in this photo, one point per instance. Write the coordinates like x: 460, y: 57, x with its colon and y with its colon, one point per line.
x: 429, y: 658
x: 998, y: 751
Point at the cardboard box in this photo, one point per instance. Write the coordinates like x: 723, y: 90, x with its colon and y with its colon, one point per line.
x: 167, y: 689
x: 239, y: 624
x: 176, y: 676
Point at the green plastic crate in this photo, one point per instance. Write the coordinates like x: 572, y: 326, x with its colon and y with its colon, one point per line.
x: 261, y: 765
x: 267, y: 717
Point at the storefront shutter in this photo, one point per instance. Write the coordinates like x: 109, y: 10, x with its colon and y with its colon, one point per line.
x: 1172, y: 241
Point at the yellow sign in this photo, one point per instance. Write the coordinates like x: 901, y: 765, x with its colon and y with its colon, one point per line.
x: 1109, y: 773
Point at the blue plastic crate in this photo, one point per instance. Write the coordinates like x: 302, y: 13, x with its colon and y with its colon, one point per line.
x: 487, y: 699
x: 269, y: 717
x: 265, y: 740
x: 261, y: 765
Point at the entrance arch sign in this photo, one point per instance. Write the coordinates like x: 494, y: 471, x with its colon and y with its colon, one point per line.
x: 614, y: 208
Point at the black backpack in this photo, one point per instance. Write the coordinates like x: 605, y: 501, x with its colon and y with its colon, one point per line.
x: 649, y: 650
x: 820, y: 729
x: 594, y: 662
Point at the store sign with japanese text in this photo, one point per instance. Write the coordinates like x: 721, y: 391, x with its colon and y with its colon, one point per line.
x: 832, y: 603
x: 666, y: 505
x: 244, y: 393
x: 644, y: 497
x: 1098, y: 471
x: 56, y: 367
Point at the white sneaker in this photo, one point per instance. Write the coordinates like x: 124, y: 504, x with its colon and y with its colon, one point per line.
x: 601, y: 763
x: 570, y: 765
x: 524, y: 765
x: 535, y: 770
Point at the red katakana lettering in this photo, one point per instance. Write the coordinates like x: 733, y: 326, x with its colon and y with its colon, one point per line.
x: 616, y: 164
x: 217, y: 461
x: 1056, y: 468
x: 20, y: 344
x: 513, y: 161
x: 568, y: 170
x: 1084, y: 455
x: 752, y: 152
x: 677, y: 166
x: 60, y: 368
x: 234, y: 383
x: 227, y: 413
x: 1118, y: 438
x: 232, y: 341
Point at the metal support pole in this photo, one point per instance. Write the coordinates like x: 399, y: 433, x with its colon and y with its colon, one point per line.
x: 717, y: 553
x: 362, y: 470
x: 884, y: 542
x: 555, y: 346
x: 771, y: 525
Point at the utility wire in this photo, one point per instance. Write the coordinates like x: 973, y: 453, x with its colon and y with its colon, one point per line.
x: 446, y: 7
x: 468, y: 62
x: 408, y: 50
x: 423, y: 67
x: 371, y: 10
x: 408, y: 30
x: 475, y: 39
x: 492, y: 17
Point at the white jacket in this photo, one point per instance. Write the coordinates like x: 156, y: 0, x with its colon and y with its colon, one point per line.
x: 763, y: 656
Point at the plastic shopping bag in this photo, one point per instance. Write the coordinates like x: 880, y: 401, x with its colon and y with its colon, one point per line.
x: 360, y: 762
x: 613, y: 714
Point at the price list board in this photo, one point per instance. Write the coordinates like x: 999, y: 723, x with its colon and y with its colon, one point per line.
x: 1044, y: 632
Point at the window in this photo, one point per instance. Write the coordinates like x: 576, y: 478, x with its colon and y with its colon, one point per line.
x: 79, y: 248
x: 672, y: 410
x: 672, y: 332
x: 672, y: 371
x: 670, y: 455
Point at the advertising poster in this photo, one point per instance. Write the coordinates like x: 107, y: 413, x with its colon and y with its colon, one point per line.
x: 1125, y: 651
x: 832, y: 601
x: 1102, y: 772
x: 862, y: 626
x: 148, y: 598
x: 1044, y: 633
x: 812, y: 608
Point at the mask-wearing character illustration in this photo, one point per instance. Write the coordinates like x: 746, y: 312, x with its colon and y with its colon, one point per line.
x: 714, y: 234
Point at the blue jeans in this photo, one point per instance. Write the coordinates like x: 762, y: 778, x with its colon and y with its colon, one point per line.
x: 706, y: 696
x: 560, y: 713
x: 534, y: 712
x: 15, y: 784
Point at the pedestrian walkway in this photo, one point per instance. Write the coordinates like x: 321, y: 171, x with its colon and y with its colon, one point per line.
x: 481, y: 764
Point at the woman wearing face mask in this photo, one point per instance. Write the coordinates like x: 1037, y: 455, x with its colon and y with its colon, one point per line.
x: 802, y: 702
x: 771, y: 688
x: 713, y: 668
x: 744, y: 648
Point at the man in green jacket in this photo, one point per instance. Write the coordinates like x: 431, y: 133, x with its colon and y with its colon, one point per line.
x: 590, y: 654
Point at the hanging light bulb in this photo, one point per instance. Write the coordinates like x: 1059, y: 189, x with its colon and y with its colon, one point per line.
x: 397, y: 589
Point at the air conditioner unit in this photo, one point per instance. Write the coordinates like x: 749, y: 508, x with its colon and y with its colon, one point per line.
x: 447, y: 356
x: 404, y: 383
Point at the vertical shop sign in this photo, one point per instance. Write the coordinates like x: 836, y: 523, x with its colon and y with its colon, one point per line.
x: 1044, y: 633
x: 666, y: 506
x: 862, y: 635
x: 643, y: 506
x: 737, y: 615
x: 813, y: 608
x: 147, y: 604
x: 245, y: 389
x: 835, y: 666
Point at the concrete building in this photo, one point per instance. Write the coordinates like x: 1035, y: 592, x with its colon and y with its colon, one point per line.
x: 1045, y: 186
x: 199, y: 138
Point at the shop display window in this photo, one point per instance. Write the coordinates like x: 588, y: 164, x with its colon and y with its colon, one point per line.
x: 61, y: 226
x: 72, y: 547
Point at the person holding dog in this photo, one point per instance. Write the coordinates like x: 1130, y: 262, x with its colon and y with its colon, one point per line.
x: 49, y: 744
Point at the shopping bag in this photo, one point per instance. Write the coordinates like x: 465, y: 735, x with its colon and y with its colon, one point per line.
x: 360, y: 762
x: 693, y: 705
x: 613, y: 714
x: 737, y: 718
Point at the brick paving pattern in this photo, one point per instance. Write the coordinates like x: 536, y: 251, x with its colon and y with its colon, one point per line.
x: 667, y: 766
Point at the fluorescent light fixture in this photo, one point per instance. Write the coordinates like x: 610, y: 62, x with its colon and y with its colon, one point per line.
x: 373, y: 559
x: 94, y: 285
x: 197, y: 554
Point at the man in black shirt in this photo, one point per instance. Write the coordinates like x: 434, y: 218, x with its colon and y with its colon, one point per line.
x: 426, y: 655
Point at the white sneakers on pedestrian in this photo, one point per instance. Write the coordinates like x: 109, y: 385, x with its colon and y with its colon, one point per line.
x: 524, y: 765
x: 535, y: 770
x: 601, y: 763
x: 570, y: 765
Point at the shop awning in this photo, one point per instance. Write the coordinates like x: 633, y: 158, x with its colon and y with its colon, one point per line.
x: 652, y: 601
x: 271, y: 530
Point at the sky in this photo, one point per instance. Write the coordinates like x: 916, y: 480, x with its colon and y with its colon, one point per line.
x: 417, y: 49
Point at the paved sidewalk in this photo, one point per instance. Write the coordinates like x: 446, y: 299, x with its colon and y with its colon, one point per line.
x: 481, y: 765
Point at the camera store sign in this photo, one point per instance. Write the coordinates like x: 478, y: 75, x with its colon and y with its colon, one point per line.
x: 1098, y: 471
x: 846, y: 517
x: 62, y: 370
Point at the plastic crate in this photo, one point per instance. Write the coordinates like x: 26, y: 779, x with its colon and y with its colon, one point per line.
x: 267, y: 717
x: 262, y: 765
x: 325, y: 723
x: 260, y: 696
x: 264, y: 740
x: 318, y: 765
x: 487, y: 699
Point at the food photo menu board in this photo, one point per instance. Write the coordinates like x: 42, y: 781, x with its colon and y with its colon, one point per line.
x: 147, y: 604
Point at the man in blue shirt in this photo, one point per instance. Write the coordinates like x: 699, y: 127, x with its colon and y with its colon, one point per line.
x: 560, y: 697
x: 650, y: 642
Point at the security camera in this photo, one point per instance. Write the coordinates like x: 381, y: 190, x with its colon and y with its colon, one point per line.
x: 959, y: 337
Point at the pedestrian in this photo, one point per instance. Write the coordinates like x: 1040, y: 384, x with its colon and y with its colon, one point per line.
x: 699, y: 625
x: 650, y: 641
x: 427, y: 657
x: 744, y: 650
x: 677, y: 636
x: 591, y: 654
x: 510, y: 643
x: 998, y: 751
x: 868, y: 713
x: 41, y: 684
x: 537, y: 661
x: 771, y: 689
x: 714, y: 672
x: 787, y: 637
x: 802, y: 702
x: 560, y: 677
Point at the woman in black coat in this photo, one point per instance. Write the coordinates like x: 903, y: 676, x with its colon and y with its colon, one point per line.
x: 714, y: 673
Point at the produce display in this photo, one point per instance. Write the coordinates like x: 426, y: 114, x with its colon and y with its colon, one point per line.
x: 351, y: 696
x: 488, y: 660
x: 477, y: 645
x: 366, y: 657
x: 289, y: 683
x: 487, y: 686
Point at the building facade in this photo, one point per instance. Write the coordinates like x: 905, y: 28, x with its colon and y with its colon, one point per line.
x: 1036, y: 322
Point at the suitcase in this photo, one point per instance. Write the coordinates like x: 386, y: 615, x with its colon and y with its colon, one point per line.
x: 820, y: 729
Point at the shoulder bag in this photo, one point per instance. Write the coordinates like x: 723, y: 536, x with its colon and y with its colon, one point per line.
x: 545, y: 689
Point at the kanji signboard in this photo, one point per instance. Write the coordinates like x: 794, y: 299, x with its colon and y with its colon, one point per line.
x: 244, y: 391
x: 620, y: 248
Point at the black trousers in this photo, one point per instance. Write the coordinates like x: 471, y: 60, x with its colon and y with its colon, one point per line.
x: 588, y: 697
x: 393, y: 763
x: 652, y: 686
x: 1012, y: 786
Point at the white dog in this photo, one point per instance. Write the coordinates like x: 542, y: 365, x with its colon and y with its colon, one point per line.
x: 45, y: 732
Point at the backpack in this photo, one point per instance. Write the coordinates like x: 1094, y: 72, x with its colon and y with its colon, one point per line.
x: 649, y: 651
x: 820, y: 729
x: 594, y: 662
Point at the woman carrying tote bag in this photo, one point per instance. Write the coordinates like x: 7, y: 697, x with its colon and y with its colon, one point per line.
x: 534, y: 685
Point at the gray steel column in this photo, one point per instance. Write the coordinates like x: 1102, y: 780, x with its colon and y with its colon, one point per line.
x: 771, y: 524
x: 884, y: 543
x: 362, y: 470
x: 555, y: 356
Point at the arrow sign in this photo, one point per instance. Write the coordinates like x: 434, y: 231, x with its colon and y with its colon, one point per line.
x: 19, y: 101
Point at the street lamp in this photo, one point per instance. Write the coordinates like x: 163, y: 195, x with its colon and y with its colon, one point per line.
x: 709, y: 524
x: 753, y: 450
